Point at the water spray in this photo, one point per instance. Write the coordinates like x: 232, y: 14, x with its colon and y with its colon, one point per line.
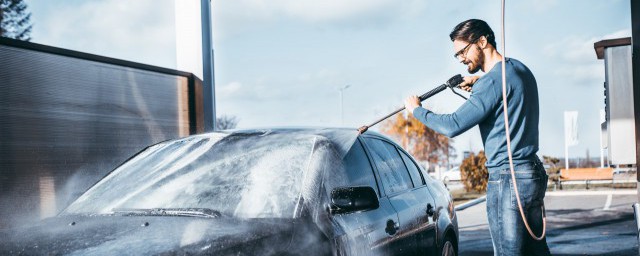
x: 451, y: 83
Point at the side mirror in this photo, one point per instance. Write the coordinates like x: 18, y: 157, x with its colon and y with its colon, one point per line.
x: 353, y: 199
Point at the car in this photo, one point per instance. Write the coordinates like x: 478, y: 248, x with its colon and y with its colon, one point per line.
x: 285, y: 191
x: 623, y: 170
x: 452, y: 174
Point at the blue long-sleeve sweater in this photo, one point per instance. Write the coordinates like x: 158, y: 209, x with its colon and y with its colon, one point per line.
x: 484, y: 108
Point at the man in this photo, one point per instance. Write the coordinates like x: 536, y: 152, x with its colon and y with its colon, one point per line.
x: 474, y: 45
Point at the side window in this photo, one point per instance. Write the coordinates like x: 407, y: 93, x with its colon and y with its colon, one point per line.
x: 414, y: 171
x: 393, y: 173
x: 359, y: 171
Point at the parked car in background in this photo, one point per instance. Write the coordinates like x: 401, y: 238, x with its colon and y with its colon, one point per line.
x: 255, y: 192
x: 452, y: 174
x: 624, y: 170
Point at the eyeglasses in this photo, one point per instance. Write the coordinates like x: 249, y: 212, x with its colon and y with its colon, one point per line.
x: 462, y: 52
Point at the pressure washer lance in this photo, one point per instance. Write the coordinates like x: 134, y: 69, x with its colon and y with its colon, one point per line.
x: 452, y: 82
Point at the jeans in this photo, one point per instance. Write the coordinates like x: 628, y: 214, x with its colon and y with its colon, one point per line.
x: 508, y: 232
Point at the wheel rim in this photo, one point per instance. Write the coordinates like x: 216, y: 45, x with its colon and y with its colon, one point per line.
x: 447, y: 249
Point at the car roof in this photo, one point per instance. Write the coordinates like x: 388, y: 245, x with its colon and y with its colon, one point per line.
x: 341, y: 138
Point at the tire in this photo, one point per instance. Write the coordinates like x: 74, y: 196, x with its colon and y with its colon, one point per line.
x: 448, y: 248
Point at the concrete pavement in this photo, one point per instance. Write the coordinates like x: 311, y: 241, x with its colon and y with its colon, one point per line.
x: 578, y: 223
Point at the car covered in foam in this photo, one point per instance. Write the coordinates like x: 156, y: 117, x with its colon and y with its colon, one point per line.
x: 287, y: 191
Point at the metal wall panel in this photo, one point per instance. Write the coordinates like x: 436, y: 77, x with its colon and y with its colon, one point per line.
x: 620, y: 113
x: 66, y: 121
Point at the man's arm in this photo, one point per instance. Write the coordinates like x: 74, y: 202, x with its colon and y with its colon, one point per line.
x: 482, y: 102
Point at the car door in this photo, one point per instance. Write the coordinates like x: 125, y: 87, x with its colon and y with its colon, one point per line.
x: 397, y: 184
x: 424, y: 207
x: 366, y: 232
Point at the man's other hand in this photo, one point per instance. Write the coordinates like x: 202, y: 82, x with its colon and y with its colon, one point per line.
x: 411, y: 103
x: 467, y: 82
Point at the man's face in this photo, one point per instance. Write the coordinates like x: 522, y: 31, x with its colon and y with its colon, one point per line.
x: 469, y: 54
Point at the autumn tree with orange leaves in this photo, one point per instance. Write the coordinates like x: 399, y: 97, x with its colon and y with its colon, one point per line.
x: 422, y: 142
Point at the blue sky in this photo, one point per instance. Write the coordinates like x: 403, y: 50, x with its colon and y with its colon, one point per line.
x: 281, y: 62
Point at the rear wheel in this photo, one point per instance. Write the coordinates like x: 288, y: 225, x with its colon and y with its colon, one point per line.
x: 447, y: 248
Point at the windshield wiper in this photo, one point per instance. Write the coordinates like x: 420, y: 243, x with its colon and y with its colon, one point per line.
x: 189, y: 212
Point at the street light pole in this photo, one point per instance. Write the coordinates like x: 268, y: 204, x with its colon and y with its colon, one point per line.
x: 341, y: 89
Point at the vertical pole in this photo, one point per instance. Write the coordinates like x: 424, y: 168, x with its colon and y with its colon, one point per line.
x: 566, y: 155
x: 208, y: 82
x: 567, y: 136
x: 635, y: 66
x: 601, y: 132
x: 601, y: 151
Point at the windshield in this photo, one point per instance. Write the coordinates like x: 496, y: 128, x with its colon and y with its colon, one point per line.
x: 239, y: 175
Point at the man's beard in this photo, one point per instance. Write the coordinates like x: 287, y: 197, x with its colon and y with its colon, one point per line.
x: 473, y: 70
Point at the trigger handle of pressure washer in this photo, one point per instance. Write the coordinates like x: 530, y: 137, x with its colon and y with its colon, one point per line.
x: 454, y: 81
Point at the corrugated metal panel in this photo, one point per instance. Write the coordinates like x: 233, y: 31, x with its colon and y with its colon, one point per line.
x: 66, y: 121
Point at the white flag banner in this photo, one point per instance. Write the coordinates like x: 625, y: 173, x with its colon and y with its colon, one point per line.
x: 571, y: 128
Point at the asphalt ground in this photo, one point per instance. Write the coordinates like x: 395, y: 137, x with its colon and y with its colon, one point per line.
x: 582, y: 222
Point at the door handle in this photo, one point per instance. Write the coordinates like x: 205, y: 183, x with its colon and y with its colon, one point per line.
x: 392, y: 227
x: 430, y: 210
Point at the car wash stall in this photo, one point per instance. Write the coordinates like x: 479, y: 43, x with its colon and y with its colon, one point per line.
x: 68, y: 118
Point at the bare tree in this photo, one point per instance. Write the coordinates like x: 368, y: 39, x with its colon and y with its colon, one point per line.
x: 15, y: 20
x: 225, y: 122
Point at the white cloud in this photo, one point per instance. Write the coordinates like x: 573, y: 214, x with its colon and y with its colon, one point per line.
x: 320, y: 11
x: 228, y: 90
x: 239, y: 15
x: 334, y: 10
x: 579, y: 49
x: 576, y: 60
x: 141, y: 30
x: 585, y: 74
x: 320, y: 83
x: 618, y: 34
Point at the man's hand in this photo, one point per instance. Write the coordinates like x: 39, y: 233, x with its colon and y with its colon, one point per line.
x: 411, y: 103
x: 363, y: 129
x: 467, y: 82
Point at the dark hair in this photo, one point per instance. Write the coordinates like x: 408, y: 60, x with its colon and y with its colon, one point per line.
x: 471, y: 30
